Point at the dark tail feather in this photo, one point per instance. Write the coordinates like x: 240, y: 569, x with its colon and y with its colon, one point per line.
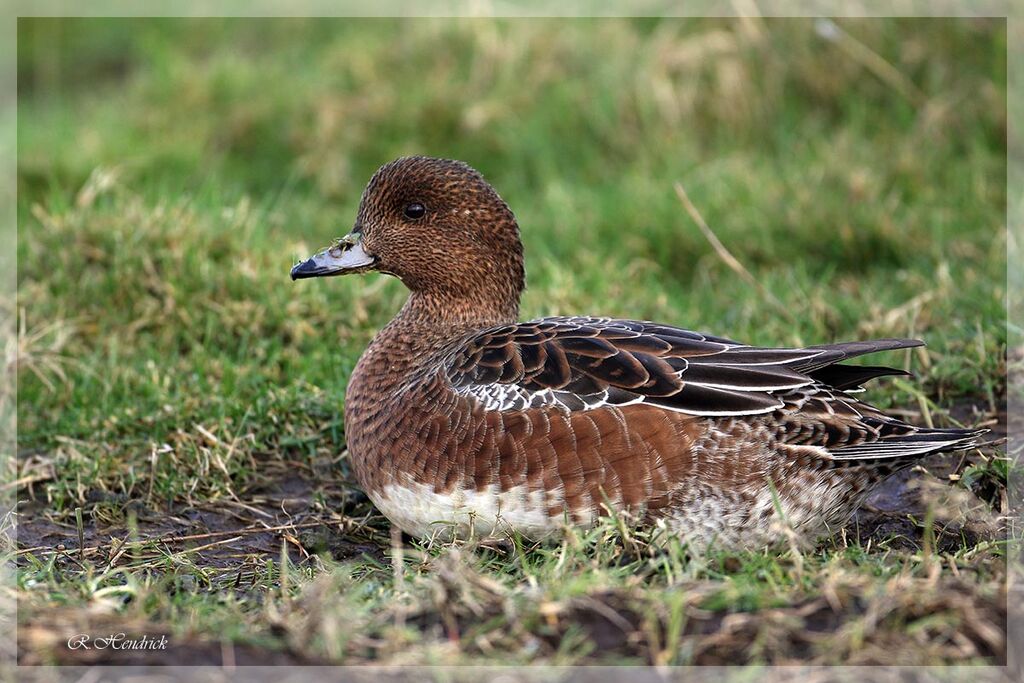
x: 851, y: 377
x: 894, y: 449
x: 833, y: 353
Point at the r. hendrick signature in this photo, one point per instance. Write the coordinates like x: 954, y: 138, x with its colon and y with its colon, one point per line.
x: 116, y: 641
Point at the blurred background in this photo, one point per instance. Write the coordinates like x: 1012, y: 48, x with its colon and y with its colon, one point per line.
x: 170, y: 172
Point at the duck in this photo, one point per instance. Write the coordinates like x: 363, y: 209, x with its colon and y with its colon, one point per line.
x: 463, y: 422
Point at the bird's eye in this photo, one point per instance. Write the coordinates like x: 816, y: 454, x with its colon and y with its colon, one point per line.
x: 415, y: 210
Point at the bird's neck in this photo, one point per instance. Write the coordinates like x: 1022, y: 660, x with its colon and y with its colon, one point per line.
x: 424, y: 333
x: 440, y: 315
x: 450, y: 314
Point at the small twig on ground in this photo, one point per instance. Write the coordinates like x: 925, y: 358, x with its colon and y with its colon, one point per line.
x: 726, y: 255
x: 81, y: 534
x: 24, y: 481
x: 200, y: 548
x: 181, y: 539
x: 115, y: 556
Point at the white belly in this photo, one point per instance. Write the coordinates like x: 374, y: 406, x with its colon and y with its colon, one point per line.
x: 705, y: 517
x: 419, y: 511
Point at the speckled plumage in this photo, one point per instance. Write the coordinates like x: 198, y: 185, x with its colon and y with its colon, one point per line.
x: 462, y: 421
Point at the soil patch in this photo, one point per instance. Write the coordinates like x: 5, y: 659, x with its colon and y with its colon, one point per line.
x: 293, y: 513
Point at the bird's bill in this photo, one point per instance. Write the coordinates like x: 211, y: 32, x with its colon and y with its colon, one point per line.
x: 345, y: 256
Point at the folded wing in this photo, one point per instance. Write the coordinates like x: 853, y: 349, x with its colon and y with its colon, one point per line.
x: 587, y: 363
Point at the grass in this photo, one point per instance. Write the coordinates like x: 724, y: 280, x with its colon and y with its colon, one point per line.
x: 174, y: 384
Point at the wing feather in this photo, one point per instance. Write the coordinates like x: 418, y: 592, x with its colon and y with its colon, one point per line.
x: 582, y: 363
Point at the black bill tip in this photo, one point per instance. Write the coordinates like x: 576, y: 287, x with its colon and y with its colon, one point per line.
x: 306, y: 269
